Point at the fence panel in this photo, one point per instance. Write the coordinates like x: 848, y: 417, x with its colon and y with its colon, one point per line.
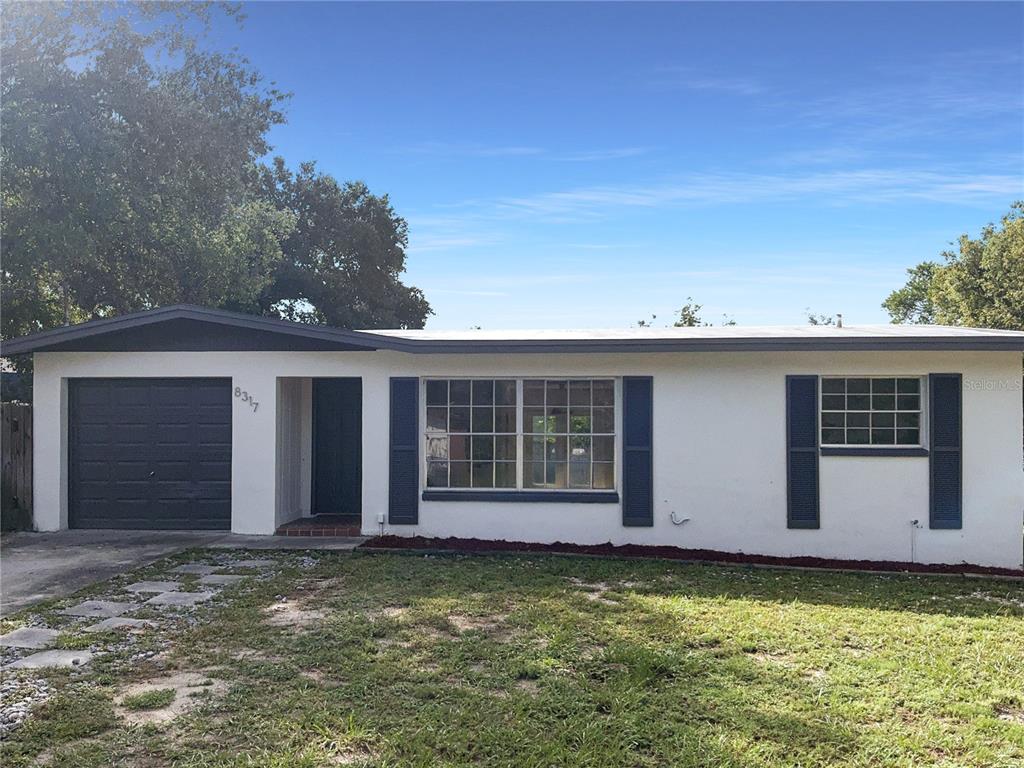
x: 16, y: 472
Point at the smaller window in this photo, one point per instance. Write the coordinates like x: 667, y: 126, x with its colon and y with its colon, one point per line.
x: 871, y: 411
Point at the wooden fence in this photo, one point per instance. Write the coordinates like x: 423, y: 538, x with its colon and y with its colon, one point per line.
x: 16, y: 474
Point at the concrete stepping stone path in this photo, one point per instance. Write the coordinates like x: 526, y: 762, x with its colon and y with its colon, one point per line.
x: 252, y: 563
x: 197, y: 568
x: 221, y: 579
x: 180, y: 599
x: 29, y: 637
x: 153, y: 586
x: 52, y: 659
x: 119, y: 622
x: 99, y: 609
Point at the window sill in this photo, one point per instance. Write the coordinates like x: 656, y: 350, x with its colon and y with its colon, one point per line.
x: 874, y: 451
x: 556, y: 497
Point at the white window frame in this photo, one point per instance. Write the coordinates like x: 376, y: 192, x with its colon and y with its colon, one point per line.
x: 922, y: 437
x: 519, y: 378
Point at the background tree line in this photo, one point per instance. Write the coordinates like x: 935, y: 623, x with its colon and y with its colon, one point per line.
x: 133, y: 177
x: 979, y: 284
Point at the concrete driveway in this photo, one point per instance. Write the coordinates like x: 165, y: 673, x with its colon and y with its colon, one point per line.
x: 37, y: 566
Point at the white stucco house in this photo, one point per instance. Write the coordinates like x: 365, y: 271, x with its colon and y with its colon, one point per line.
x: 894, y: 443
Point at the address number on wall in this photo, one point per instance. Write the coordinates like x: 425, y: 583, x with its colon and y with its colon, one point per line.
x: 247, y: 398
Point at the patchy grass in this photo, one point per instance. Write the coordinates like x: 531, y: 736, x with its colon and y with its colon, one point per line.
x: 156, y: 699
x: 393, y: 660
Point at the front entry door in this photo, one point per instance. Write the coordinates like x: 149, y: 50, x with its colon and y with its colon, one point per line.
x: 337, y: 446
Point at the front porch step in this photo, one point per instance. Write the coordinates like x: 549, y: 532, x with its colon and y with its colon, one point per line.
x: 322, y: 525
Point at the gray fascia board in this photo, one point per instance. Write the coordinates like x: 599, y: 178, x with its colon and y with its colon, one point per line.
x: 430, y: 346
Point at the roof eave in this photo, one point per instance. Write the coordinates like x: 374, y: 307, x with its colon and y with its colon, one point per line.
x: 435, y: 346
x: 44, y: 340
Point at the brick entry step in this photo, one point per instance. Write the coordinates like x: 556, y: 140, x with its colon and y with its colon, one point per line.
x: 321, y: 525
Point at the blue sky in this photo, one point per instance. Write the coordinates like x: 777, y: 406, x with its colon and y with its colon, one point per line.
x: 587, y: 165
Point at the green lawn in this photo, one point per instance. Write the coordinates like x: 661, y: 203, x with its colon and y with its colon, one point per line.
x: 555, y: 661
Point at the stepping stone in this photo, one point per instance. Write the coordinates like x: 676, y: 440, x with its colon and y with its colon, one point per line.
x: 29, y: 637
x: 221, y: 579
x: 153, y: 586
x: 100, y: 609
x: 202, y: 570
x: 118, y: 622
x: 253, y: 563
x: 52, y: 659
x: 183, y: 599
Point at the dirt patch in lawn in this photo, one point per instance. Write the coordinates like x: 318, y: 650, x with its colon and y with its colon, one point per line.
x: 482, y: 546
x: 594, y: 591
x: 191, y: 690
x: 492, y: 626
x: 1011, y: 715
x: 292, y: 615
x: 767, y: 657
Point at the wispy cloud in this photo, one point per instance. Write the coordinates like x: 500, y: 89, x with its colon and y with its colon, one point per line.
x: 448, y: 150
x: 959, y: 92
x: 691, y: 79
x: 443, y: 149
x: 422, y: 240
x: 479, y: 224
x: 840, y: 187
x: 600, y: 246
x: 605, y: 154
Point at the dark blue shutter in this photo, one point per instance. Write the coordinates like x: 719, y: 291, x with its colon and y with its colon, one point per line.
x: 637, y: 450
x: 946, y: 481
x: 404, y: 479
x: 802, y: 452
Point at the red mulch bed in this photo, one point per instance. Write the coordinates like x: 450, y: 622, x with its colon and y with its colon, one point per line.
x: 480, y: 546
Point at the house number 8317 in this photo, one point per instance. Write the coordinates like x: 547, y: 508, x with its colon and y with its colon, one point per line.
x: 247, y: 398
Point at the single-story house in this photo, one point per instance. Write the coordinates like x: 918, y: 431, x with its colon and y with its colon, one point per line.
x: 898, y: 443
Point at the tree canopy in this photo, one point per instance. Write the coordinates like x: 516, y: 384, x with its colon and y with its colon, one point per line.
x: 134, y: 178
x: 343, y: 260
x: 979, y: 284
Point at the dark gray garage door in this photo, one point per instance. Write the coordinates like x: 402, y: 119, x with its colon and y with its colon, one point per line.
x: 150, y: 453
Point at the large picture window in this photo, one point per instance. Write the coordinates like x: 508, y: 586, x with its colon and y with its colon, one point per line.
x: 875, y: 411
x: 532, y: 434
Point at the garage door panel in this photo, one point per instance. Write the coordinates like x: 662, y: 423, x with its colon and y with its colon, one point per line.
x: 94, y: 435
x: 167, y: 471
x: 130, y: 434
x: 90, y: 396
x: 214, y: 414
x: 173, y: 434
x: 213, y: 395
x: 94, y: 470
x: 212, y: 471
x: 151, y: 453
x: 212, y: 508
x: 174, y: 395
x: 132, y: 397
x: 214, y: 434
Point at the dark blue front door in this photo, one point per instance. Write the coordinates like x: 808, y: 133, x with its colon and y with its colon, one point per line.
x: 337, y: 446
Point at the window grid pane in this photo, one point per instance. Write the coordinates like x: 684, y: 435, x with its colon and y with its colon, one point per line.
x: 567, y: 437
x: 563, y: 427
x: 879, y: 411
x: 468, y: 428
